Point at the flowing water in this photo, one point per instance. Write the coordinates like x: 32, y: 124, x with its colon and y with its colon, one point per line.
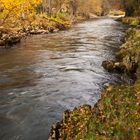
x: 47, y: 74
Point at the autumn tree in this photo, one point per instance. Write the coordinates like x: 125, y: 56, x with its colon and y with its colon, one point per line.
x: 17, y: 10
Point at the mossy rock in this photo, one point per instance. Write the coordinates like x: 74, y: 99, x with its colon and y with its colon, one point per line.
x: 113, y: 66
x: 108, y: 65
x: 131, y: 20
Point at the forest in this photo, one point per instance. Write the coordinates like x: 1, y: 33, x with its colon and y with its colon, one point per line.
x: 14, y: 10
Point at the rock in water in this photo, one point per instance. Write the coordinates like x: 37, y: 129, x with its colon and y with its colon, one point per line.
x: 113, y: 66
x: 108, y: 65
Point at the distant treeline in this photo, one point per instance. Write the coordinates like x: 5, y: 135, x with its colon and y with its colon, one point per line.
x: 74, y: 7
x: 98, y: 7
x: 27, y: 9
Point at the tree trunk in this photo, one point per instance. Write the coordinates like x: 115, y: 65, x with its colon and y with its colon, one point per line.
x: 50, y: 7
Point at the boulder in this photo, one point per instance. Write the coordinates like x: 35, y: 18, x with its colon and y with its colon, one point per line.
x: 50, y: 29
x: 12, y: 39
x: 108, y: 65
x: 113, y: 66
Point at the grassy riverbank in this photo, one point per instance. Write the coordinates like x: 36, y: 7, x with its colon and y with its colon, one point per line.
x: 116, y: 115
x: 131, y: 20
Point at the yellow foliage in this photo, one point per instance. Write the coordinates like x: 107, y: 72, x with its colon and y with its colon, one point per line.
x: 17, y: 9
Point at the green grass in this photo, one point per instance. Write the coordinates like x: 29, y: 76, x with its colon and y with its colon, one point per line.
x: 130, y: 51
x: 131, y: 20
x: 116, y: 115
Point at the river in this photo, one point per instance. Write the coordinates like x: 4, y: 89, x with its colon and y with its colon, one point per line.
x: 47, y: 74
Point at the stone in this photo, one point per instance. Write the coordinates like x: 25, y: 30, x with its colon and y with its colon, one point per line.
x: 56, y: 30
x: 108, y: 65
x: 50, y: 29
x: 113, y: 66
x: 12, y: 39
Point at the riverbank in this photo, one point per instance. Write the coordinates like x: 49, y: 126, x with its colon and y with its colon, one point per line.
x: 116, y: 114
x: 40, y: 25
